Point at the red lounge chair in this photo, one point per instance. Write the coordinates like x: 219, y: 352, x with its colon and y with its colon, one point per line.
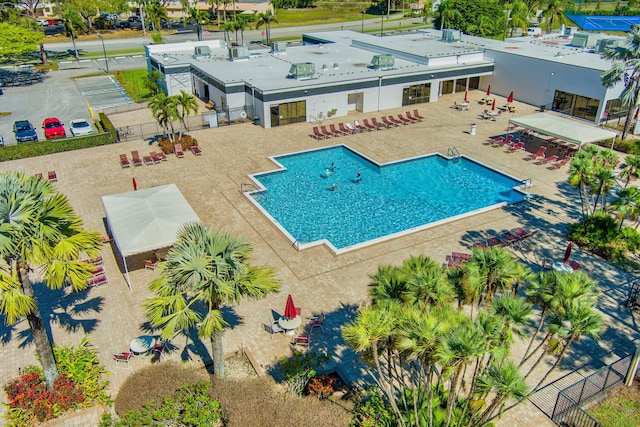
x: 335, y: 131
x: 151, y: 265
x: 516, y: 147
x: 369, y: 126
x: 495, y: 241
x: 482, y: 244
x: 135, y: 157
x: 196, y: 150
x: 549, y: 159
x: 95, y: 261
x: 396, y: 121
x: 98, y: 272
x: 317, y: 134
x: 575, y: 265
x: 343, y: 129
x: 377, y: 124
x: 325, y: 132
x: 404, y: 119
x: 147, y: 160
x: 359, y: 127
x: 317, y: 322
x: 97, y: 281
x: 509, y: 238
x: 301, y: 341
x: 460, y: 256
x: 39, y: 175
x: 52, y: 176
x: 454, y: 263
x: 154, y: 156
x: 412, y: 118
x: 161, y: 155
x: 417, y: 115
x: 539, y: 153
x: 124, y: 162
x: 178, y: 150
x: 389, y: 123
x: 561, y: 163
x: 122, y: 359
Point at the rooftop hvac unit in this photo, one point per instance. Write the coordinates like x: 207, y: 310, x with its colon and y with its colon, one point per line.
x: 279, y: 46
x: 585, y: 40
x: 569, y: 31
x: 608, y: 43
x: 450, y: 35
x: 302, y: 70
x: 203, y: 51
x: 238, y: 52
x: 382, y: 61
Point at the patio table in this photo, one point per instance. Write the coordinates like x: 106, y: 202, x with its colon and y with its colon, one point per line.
x: 290, y: 325
x: 142, y: 344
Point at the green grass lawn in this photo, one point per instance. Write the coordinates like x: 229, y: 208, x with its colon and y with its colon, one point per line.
x: 133, y: 82
x: 622, y: 409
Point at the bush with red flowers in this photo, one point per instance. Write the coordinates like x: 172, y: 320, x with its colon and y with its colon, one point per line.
x: 321, y: 386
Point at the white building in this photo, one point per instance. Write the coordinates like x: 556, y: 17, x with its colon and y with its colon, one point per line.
x: 333, y: 73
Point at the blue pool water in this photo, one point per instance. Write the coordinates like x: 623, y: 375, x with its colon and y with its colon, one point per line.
x: 389, y: 199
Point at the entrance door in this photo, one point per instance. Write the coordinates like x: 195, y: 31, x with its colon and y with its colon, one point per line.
x: 206, y: 91
x: 275, y: 115
x: 355, y: 101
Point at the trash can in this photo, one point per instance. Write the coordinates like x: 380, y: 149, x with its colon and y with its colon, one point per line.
x: 256, y: 120
x: 542, y: 108
x: 473, y: 129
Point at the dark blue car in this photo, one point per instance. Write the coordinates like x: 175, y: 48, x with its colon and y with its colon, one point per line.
x: 24, y: 131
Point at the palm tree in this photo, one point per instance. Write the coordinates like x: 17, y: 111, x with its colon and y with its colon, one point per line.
x: 242, y: 24
x: 555, y: 12
x: 387, y: 284
x: 518, y: 16
x: 506, y: 383
x: 185, y: 104
x: 626, y: 69
x: 201, y: 17
x: 39, y: 232
x: 266, y: 19
x: 446, y: 14
x: 627, y: 205
x: 72, y: 22
x: 164, y: 109
x: 213, y: 268
x: 156, y: 12
x: 227, y: 27
x: 581, y: 176
x: 629, y: 169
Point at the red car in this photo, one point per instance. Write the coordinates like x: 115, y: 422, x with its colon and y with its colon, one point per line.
x: 53, y: 128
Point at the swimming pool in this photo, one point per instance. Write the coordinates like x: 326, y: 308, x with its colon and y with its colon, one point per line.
x: 313, y: 204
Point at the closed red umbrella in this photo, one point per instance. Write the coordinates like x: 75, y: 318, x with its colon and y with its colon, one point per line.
x: 510, y: 98
x: 466, y: 95
x: 567, y: 253
x: 290, y: 308
x: 489, y: 90
x: 135, y: 184
x: 493, y: 105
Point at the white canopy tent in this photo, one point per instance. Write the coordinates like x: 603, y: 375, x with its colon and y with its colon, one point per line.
x: 144, y: 220
x: 564, y: 129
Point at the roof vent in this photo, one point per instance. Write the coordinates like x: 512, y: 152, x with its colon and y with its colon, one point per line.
x: 238, y: 52
x: 324, y: 67
x: 202, y: 51
x: 279, y: 46
x: 335, y: 66
x: 382, y: 62
x: 301, y: 70
x: 450, y: 35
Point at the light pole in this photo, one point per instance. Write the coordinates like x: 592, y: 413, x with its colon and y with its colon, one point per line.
x: 104, y: 51
x: 362, y: 31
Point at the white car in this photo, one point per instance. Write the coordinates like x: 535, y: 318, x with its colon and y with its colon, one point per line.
x: 80, y: 127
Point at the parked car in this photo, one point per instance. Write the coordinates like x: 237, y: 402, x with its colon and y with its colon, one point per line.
x: 123, y: 24
x: 80, y: 127
x: 53, y: 128
x: 1, y: 141
x: 42, y: 22
x: 24, y: 131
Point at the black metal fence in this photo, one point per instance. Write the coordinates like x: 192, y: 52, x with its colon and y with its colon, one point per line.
x: 568, y: 411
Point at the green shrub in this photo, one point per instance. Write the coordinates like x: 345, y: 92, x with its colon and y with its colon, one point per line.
x: 372, y: 410
x: 108, y: 126
x: 601, y: 235
x: 297, y: 370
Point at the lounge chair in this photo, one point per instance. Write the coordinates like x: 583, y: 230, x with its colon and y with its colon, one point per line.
x: 574, y: 265
x: 335, y: 131
x: 460, y: 256
x: 39, y: 175
x: 325, y: 132
x: 316, y: 133
x: 344, y: 130
x: 97, y: 281
x: 509, y: 238
x: 404, y: 119
x: 351, y: 127
x: 389, y: 123
x: 417, y: 115
x: 316, y: 322
x: 506, y: 141
x: 561, y: 163
x: 396, y: 121
x: 124, y: 162
x: 454, y: 263
x: 122, y: 359
x: 516, y: 147
x: 196, y: 150
x: 377, y: 124
x: 177, y: 148
x: 549, y: 159
x: 273, y: 328
x: 154, y: 156
x: 99, y: 271
x: 52, y: 176
x: 539, y: 153
x: 151, y: 265
x: 369, y: 126
x: 495, y: 241
x: 96, y: 261
x: 135, y: 157
x: 482, y: 244
x: 161, y: 155
x: 360, y: 128
x: 414, y: 118
x: 148, y: 160
x: 301, y: 341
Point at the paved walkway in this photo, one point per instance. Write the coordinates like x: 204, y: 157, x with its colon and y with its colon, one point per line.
x: 318, y: 279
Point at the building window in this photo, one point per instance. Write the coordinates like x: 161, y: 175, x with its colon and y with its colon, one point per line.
x: 474, y: 83
x: 615, y: 110
x: 416, y: 94
x: 461, y: 85
x: 446, y: 87
x: 575, y: 105
x: 288, y: 113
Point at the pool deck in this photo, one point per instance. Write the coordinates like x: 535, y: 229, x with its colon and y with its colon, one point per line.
x: 318, y: 280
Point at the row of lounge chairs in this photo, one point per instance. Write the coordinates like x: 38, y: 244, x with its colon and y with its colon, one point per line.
x: 514, y: 237
x: 51, y: 176
x: 386, y: 122
x: 456, y: 259
x: 154, y: 156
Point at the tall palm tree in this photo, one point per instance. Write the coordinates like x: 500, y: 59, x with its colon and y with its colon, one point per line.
x: 185, y: 104
x: 389, y: 283
x: 164, y: 109
x: 211, y: 267
x: 518, y: 16
x: 446, y: 13
x: 39, y: 233
x: 581, y: 176
x: 506, y: 383
x: 155, y: 13
x: 201, y: 17
x: 72, y: 22
x: 266, y: 18
x: 629, y: 169
x: 626, y: 69
x: 627, y: 205
x: 242, y: 23
x: 227, y: 28
x: 554, y: 12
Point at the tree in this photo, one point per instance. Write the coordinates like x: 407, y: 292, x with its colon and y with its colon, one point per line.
x: 554, y: 12
x: 446, y: 14
x: 210, y: 267
x: 155, y: 13
x: 72, y: 22
x: 473, y: 17
x: 186, y: 104
x: 16, y: 41
x: 40, y: 236
x: 627, y: 205
x: 266, y: 18
x: 227, y: 27
x: 241, y: 24
x: 506, y: 383
x: 629, y: 169
x: 625, y: 69
x: 518, y: 16
x: 164, y: 109
x: 201, y: 17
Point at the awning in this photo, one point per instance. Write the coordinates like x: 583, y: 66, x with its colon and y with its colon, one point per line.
x: 564, y: 129
x: 144, y: 220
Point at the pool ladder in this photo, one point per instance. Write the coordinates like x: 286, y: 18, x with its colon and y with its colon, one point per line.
x: 454, y: 153
x: 526, y: 183
x: 251, y: 186
x: 297, y: 242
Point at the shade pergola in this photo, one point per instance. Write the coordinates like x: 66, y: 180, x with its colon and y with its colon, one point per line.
x: 145, y: 220
x: 564, y: 129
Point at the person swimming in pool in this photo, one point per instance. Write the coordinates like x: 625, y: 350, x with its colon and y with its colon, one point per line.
x: 357, y: 179
x: 333, y: 187
x: 333, y: 167
x: 327, y: 173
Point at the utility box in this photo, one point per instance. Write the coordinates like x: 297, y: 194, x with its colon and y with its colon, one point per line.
x: 302, y: 70
x: 450, y: 35
x: 585, y: 39
x: 202, y: 51
x: 238, y: 53
x: 382, y: 61
x: 279, y: 46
